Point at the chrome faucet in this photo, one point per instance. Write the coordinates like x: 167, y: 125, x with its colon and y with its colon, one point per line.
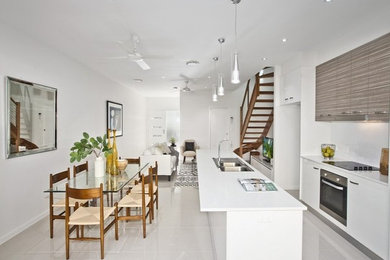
x: 219, y: 150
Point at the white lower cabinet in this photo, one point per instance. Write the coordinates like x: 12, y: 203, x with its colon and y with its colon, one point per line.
x: 310, y: 191
x: 367, y: 214
x: 263, y: 167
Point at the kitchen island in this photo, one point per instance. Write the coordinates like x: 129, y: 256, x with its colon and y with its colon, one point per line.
x: 248, y: 225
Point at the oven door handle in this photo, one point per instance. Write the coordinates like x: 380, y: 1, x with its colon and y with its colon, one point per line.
x: 332, y: 185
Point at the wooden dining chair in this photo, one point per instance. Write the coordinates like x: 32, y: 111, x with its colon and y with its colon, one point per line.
x: 59, y: 204
x: 138, y: 201
x: 133, y: 161
x: 80, y: 168
x: 138, y: 189
x: 84, y: 167
x: 83, y: 216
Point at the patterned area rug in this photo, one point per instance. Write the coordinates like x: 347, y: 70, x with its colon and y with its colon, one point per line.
x: 188, y: 176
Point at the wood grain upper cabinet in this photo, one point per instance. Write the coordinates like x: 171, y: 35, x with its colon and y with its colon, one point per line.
x: 355, y: 86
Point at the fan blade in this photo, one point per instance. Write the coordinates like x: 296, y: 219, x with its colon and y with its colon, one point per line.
x: 142, y: 64
x: 117, y: 58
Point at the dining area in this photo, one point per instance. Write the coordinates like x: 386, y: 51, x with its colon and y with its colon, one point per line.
x: 89, y: 206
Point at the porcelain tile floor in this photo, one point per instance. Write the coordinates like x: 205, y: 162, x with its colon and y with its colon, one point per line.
x: 179, y: 231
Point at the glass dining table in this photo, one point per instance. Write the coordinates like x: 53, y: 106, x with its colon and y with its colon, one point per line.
x: 112, y: 184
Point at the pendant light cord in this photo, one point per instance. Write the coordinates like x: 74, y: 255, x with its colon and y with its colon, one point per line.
x: 235, y: 26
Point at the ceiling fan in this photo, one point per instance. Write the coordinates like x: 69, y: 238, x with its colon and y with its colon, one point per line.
x: 186, y: 88
x: 133, y: 54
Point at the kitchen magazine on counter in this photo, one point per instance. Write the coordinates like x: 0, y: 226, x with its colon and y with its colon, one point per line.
x: 256, y: 184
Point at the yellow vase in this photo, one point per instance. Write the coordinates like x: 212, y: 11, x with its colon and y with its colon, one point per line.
x: 109, y: 157
x: 114, y: 156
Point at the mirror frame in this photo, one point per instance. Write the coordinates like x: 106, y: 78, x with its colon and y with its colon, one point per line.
x: 8, y: 119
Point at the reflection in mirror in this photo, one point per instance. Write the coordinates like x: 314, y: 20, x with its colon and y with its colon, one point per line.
x: 31, y: 118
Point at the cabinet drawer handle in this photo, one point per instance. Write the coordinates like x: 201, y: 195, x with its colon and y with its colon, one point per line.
x: 352, y: 182
x: 380, y: 112
x: 286, y: 99
x: 315, y: 168
x: 357, y: 112
x: 291, y: 97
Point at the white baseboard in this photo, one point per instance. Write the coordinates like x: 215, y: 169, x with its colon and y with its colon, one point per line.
x: 21, y: 228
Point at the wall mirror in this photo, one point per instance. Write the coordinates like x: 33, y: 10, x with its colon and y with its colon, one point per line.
x: 31, y: 119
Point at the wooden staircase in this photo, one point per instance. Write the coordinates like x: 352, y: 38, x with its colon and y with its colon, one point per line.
x: 259, y: 112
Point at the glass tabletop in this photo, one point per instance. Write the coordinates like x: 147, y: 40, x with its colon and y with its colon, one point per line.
x: 111, y: 183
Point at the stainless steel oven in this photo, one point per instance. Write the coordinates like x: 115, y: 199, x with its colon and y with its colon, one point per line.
x: 333, y: 195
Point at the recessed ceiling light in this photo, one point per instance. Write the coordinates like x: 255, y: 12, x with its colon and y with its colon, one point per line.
x: 209, y: 77
x: 163, y: 77
x: 264, y: 58
x: 284, y: 40
x: 192, y: 63
x: 328, y: 1
x: 138, y: 80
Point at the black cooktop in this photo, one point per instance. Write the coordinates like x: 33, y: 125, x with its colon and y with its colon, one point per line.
x: 352, y: 166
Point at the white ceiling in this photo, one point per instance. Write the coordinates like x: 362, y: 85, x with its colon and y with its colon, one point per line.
x: 181, y: 30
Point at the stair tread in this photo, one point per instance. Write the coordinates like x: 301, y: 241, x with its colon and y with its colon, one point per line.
x: 267, y: 75
x: 263, y: 108
x: 262, y: 115
x: 255, y: 127
x: 265, y: 100
x: 268, y: 84
x: 258, y: 121
x: 251, y: 138
x: 266, y: 92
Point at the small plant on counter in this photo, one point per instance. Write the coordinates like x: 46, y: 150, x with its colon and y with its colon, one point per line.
x: 172, y: 140
x: 88, y: 145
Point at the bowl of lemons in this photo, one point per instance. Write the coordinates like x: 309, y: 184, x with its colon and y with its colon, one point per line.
x: 328, y: 150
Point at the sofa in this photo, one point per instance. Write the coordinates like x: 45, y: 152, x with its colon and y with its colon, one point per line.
x: 166, y: 157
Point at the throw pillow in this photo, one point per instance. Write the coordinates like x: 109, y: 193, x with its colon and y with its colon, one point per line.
x: 156, y: 151
x: 164, y: 148
x: 147, y: 152
x: 189, y: 146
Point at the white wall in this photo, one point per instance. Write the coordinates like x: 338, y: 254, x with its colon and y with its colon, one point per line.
x: 160, y: 106
x: 82, y: 95
x: 194, y: 114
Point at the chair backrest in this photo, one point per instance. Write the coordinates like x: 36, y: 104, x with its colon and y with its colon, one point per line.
x: 54, y: 178
x: 134, y: 161
x: 155, y: 173
x: 148, y: 179
x: 79, y: 168
x: 57, y: 177
x: 189, y: 145
x: 92, y: 193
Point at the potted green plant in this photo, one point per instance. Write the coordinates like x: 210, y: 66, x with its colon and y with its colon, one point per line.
x: 88, y: 145
x: 172, y: 140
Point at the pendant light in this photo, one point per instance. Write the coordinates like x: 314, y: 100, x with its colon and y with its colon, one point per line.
x: 220, y: 88
x: 235, y: 79
x: 214, y: 86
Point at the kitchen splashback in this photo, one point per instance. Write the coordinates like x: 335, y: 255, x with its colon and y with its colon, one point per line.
x: 359, y: 141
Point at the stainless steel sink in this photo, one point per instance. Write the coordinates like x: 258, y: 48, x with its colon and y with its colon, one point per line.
x: 231, y: 165
x: 235, y: 169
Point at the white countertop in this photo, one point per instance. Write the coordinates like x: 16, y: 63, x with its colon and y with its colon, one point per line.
x: 220, y: 191
x: 374, y: 176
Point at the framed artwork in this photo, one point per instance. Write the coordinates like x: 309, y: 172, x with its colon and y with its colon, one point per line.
x: 115, y: 118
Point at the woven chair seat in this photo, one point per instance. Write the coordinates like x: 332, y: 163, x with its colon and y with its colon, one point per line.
x: 138, y: 188
x: 89, y: 215
x: 133, y: 200
x: 72, y: 202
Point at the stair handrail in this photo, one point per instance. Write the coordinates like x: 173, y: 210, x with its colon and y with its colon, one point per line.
x: 15, y: 128
x: 27, y: 111
x: 251, y: 105
x: 246, y: 97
